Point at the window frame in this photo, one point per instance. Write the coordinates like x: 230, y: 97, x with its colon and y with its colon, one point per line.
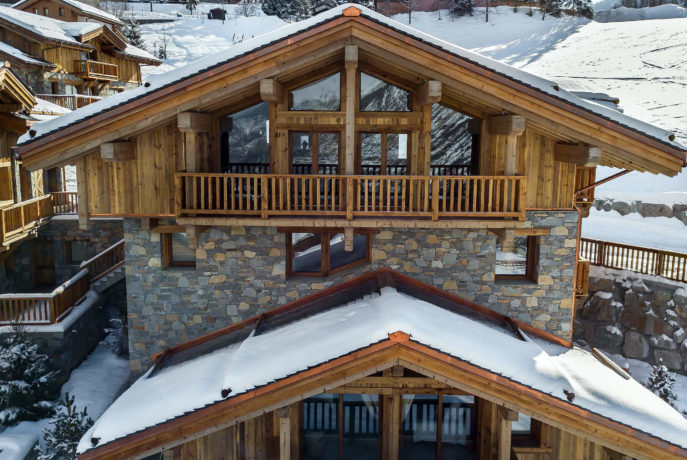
x: 68, y: 259
x: 325, y: 237
x: 531, y: 265
x: 168, y: 254
x: 61, y: 11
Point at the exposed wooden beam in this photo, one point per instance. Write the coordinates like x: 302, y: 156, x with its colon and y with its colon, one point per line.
x: 583, y: 155
x: 8, y: 108
x: 348, y: 239
x: 507, y: 125
x: 148, y: 223
x: 283, y: 414
x: 507, y: 237
x: 118, y: 151
x: 82, y: 192
x: 430, y: 92
x: 271, y: 90
x: 351, y: 58
x: 194, y: 122
x: 504, y: 428
x: 508, y: 414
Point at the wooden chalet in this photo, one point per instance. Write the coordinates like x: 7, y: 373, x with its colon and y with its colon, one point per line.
x: 393, y: 368
x: 69, y: 11
x: 69, y: 63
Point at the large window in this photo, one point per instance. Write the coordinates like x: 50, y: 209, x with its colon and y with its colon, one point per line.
x: 520, y: 263
x: 244, y: 140
x: 315, y: 153
x: 384, y: 153
x: 379, y: 96
x: 454, y: 147
x: 324, y: 253
x: 76, y: 251
x: 324, y: 94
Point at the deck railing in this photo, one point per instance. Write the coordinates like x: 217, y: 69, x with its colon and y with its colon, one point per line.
x: 96, y: 70
x: 70, y: 101
x: 668, y: 264
x: 267, y: 195
x: 105, y: 262
x: 20, y: 217
x: 44, y: 308
x: 65, y: 202
x: 333, y: 169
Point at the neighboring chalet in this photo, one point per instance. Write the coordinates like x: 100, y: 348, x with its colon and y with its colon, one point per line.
x: 70, y: 63
x: 426, y: 200
x: 69, y: 11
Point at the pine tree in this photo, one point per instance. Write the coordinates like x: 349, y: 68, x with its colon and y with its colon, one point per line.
x: 461, y: 7
x: 294, y: 10
x: 661, y: 382
x: 69, y: 426
x: 24, y: 379
x: 277, y: 8
x: 300, y: 9
x: 583, y: 8
x: 132, y: 32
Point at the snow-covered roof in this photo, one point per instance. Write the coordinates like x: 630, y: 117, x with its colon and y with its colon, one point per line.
x: 158, y: 82
x: 21, y: 56
x: 89, y: 10
x: 184, y: 386
x: 46, y: 27
x: 139, y: 53
x: 46, y: 110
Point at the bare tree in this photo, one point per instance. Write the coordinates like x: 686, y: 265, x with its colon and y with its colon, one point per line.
x: 412, y: 5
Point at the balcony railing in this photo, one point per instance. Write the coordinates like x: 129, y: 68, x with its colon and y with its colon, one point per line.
x: 20, y: 217
x: 274, y: 195
x: 366, y: 170
x: 95, y: 70
x: 105, y: 262
x: 70, y: 101
x: 65, y: 202
x: 44, y: 308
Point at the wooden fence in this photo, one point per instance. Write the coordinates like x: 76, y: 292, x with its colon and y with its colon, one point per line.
x: 670, y: 265
x: 20, y: 217
x: 107, y: 261
x: 44, y: 308
x: 432, y: 197
x: 65, y: 202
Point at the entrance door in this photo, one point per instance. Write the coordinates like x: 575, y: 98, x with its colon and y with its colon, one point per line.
x: 42, y: 263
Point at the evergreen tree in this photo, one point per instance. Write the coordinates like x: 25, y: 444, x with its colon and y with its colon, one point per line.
x: 277, y: 8
x: 24, y: 379
x: 132, y: 32
x: 293, y: 10
x: 661, y: 382
x: 191, y: 5
x: 320, y: 6
x: 551, y: 7
x: 69, y: 426
x: 583, y: 8
x: 461, y: 7
x: 300, y: 9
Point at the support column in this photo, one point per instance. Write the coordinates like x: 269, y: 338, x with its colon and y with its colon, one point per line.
x: 82, y: 193
x: 428, y: 94
x: 191, y: 125
x: 283, y: 415
x: 506, y: 417
x: 351, y: 57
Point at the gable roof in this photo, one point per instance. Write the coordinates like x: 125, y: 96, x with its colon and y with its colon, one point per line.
x: 13, y: 90
x: 46, y: 29
x: 15, y: 56
x: 85, y: 9
x: 386, y: 318
x: 162, y: 86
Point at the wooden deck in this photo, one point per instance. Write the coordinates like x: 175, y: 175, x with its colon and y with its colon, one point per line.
x: 350, y: 197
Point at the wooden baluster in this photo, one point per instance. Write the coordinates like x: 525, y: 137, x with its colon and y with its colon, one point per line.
x: 349, y: 197
x: 435, y: 198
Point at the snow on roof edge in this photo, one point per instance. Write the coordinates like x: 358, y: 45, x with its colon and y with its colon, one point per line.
x: 207, y: 63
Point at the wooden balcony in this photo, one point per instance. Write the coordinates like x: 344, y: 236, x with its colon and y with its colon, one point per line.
x: 267, y: 196
x: 70, y: 101
x: 19, y: 218
x: 95, y: 70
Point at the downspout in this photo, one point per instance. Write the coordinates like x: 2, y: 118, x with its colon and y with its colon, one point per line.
x: 579, y: 236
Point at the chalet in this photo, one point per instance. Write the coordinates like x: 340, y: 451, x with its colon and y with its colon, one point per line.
x: 424, y: 199
x: 69, y: 63
x: 69, y: 11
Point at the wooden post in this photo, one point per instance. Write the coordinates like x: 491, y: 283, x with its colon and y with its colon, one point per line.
x: 82, y: 193
x: 283, y: 415
x: 349, y: 198
x: 506, y: 417
x: 351, y: 57
x: 2, y: 225
x: 264, y: 197
x: 191, y: 124
x: 348, y: 239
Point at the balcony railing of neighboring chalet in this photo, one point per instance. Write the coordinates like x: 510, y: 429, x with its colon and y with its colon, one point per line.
x: 44, y: 308
x: 70, y: 101
x: 96, y: 70
x: 52, y: 307
x: 349, y: 197
x: 21, y: 218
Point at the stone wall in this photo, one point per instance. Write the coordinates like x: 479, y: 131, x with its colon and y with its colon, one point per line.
x: 240, y: 271
x: 15, y: 274
x: 101, y: 234
x: 638, y: 316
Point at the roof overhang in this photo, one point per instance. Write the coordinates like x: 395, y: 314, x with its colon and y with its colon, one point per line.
x: 30, y: 35
x: 622, y: 145
x: 13, y: 89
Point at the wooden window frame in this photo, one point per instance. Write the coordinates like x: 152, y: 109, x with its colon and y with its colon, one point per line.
x: 46, y: 12
x: 61, y: 12
x: 168, y: 254
x: 325, y: 237
x: 314, y: 148
x: 531, y: 265
x: 314, y: 79
x: 68, y: 252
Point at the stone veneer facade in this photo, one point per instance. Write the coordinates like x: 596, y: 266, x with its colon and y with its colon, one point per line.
x: 240, y: 272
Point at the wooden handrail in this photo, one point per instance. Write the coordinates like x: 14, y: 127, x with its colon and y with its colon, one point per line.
x: 89, y: 68
x: 650, y: 261
x: 44, y: 308
x: 105, y: 262
x: 431, y: 197
x: 65, y: 202
x: 19, y: 217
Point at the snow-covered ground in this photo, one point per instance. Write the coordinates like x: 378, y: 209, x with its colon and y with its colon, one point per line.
x: 94, y: 385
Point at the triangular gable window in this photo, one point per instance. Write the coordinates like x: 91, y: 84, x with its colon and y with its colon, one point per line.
x: 379, y: 96
x: 324, y: 94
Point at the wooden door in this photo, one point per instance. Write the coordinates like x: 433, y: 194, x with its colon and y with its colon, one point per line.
x: 42, y: 263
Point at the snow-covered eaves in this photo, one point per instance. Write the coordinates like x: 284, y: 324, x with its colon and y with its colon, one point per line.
x: 15, y: 56
x: 260, y: 355
x: 539, y: 85
x: 137, y: 54
x: 43, y: 28
x: 87, y: 10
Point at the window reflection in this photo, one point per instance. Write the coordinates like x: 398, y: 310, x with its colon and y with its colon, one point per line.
x: 244, y: 140
x: 307, y: 252
x: 361, y: 427
x: 379, y: 96
x: 324, y: 94
x: 321, y: 427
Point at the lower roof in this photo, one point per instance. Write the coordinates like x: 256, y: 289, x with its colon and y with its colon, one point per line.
x: 262, y: 355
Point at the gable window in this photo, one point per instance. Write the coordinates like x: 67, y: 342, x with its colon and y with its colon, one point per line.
x: 175, y: 251
x: 324, y: 253
x: 61, y: 11
x: 324, y: 94
x: 76, y: 251
x: 521, y: 262
x: 454, y: 144
x: 379, y: 96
